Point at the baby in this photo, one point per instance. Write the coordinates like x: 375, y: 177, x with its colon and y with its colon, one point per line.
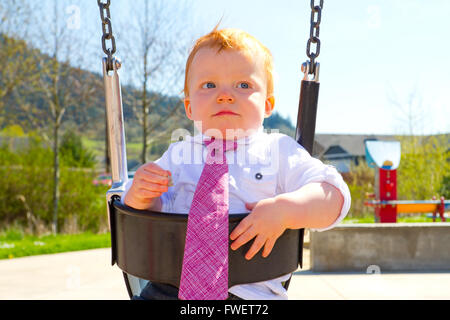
x: 228, y: 93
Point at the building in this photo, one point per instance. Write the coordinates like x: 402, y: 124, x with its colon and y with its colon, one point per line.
x: 341, y: 150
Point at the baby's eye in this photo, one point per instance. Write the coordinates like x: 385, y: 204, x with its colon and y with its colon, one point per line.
x: 208, y: 85
x: 243, y: 85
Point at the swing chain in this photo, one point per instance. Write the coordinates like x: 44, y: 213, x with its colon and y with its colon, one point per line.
x: 107, y: 33
x: 314, y: 34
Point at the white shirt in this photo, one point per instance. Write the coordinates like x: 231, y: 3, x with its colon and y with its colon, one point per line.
x: 264, y: 165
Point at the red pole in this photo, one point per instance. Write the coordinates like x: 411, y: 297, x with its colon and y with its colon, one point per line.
x: 442, y: 209
x: 387, y: 192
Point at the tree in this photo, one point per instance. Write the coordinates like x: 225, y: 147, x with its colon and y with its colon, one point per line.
x: 410, y: 114
x: 73, y: 152
x: 154, y: 54
x: 424, y: 163
x: 276, y: 121
x: 360, y: 181
x: 62, y: 85
x: 424, y: 166
x: 16, y: 58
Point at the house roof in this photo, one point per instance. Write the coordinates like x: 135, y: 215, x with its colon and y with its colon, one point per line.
x: 353, y: 144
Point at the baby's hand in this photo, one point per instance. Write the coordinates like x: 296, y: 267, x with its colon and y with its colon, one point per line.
x: 265, y: 223
x: 150, y: 181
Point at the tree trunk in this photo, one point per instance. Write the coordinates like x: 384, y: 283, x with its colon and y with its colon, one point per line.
x: 144, y: 97
x: 55, y: 178
x: 145, y: 111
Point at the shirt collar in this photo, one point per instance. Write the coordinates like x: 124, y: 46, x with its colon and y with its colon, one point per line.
x: 199, y: 138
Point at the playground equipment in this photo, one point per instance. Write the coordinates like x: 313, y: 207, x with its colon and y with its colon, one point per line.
x: 149, y: 246
x: 384, y: 156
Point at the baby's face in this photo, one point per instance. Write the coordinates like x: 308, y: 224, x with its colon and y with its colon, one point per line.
x: 227, y: 90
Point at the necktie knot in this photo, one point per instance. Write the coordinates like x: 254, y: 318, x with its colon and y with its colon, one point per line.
x: 216, y: 149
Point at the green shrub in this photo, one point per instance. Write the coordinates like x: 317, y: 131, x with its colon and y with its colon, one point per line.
x: 445, y: 186
x: 360, y: 181
x: 26, y: 182
x: 13, y: 233
x: 424, y: 167
x: 72, y: 152
x: 26, y: 191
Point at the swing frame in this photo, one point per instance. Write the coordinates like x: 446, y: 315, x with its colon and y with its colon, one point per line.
x: 149, y: 246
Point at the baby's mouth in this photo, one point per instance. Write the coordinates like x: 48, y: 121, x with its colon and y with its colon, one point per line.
x: 225, y: 112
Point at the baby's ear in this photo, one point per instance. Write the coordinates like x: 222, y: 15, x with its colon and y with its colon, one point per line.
x: 187, y: 108
x: 270, y: 104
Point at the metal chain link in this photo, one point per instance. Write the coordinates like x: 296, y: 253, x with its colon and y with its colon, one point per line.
x: 107, y: 32
x: 314, y: 34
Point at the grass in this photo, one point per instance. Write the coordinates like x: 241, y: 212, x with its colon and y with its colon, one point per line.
x: 407, y: 218
x: 14, y: 244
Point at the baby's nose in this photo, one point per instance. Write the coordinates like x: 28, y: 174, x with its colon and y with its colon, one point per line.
x: 225, y: 97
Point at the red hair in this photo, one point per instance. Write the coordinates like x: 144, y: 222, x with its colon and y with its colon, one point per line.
x: 232, y: 39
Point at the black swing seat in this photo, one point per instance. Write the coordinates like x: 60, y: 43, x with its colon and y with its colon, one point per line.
x: 150, y: 245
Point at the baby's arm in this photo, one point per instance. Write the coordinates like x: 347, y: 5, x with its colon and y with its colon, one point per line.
x: 315, y: 205
x: 149, y: 183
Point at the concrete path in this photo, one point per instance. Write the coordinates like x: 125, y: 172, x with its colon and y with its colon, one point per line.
x: 63, y: 276
x: 89, y: 275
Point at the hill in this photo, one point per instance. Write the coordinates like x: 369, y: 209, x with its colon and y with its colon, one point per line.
x: 88, y: 117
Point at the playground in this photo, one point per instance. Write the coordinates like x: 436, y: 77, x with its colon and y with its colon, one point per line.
x: 386, y: 245
x: 384, y: 158
x: 151, y: 247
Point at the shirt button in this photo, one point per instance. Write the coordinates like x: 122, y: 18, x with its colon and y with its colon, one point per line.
x: 258, y: 176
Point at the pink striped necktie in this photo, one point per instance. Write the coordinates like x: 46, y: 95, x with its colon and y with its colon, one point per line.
x: 204, y: 274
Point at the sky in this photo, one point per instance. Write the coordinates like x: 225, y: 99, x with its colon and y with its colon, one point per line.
x: 384, y: 64
x: 374, y: 56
